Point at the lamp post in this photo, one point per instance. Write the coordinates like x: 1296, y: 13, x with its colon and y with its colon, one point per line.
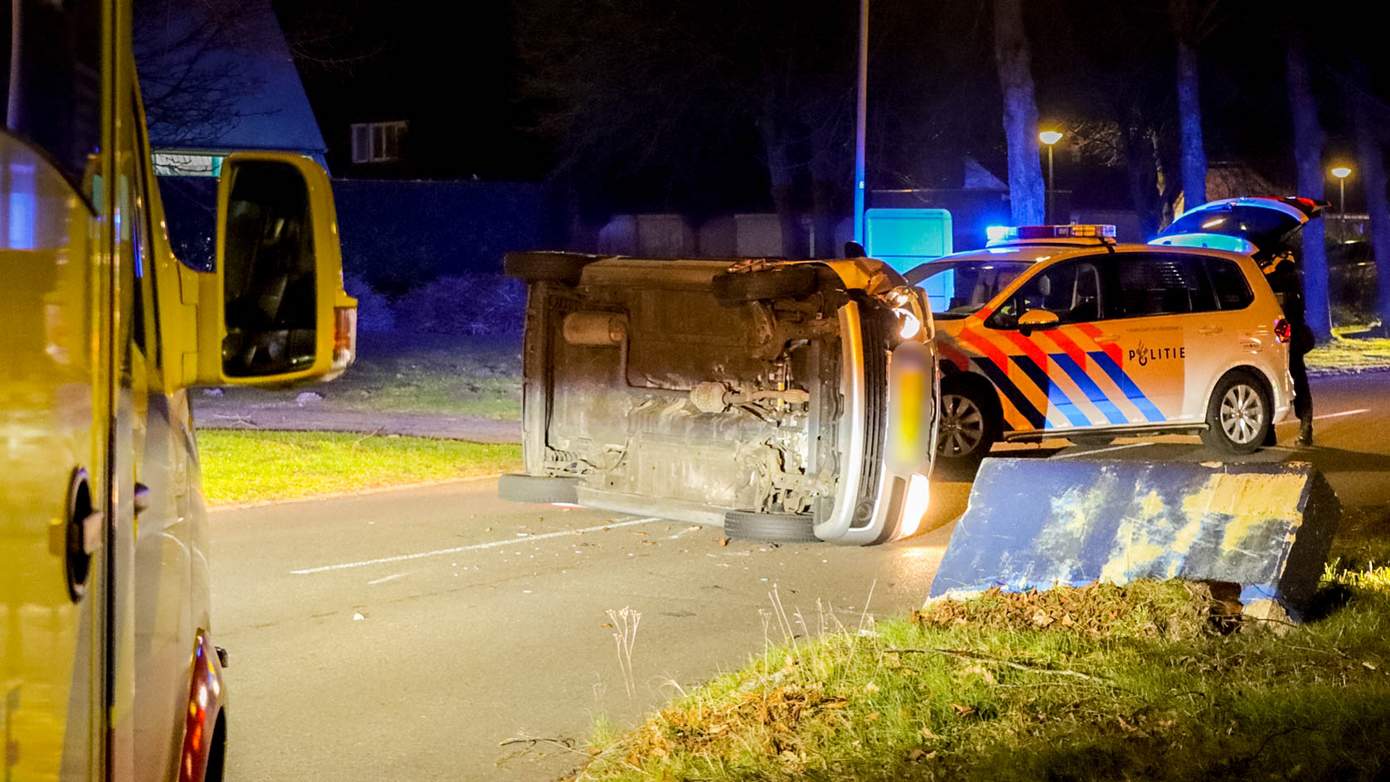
x: 861, y: 116
x: 1049, y: 138
x: 1342, y: 172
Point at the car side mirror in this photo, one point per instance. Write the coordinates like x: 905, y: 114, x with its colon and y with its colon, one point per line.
x: 274, y: 312
x: 1038, y: 319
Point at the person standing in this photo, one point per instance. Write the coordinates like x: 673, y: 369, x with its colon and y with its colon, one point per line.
x: 1287, y: 281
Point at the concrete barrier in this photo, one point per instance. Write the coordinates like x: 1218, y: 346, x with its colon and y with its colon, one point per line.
x: 1034, y: 524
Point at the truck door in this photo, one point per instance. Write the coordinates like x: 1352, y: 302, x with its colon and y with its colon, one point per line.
x: 60, y: 322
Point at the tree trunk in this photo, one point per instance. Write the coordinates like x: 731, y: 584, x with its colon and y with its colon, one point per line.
x: 1193, y: 157
x: 1141, y: 164
x: 1026, y: 194
x: 1373, y: 180
x: 1308, y: 142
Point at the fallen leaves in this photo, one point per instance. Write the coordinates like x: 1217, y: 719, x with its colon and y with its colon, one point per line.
x: 1170, y: 610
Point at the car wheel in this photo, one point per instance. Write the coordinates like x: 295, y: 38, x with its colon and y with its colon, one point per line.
x: 788, y: 282
x: 770, y: 527
x: 537, y: 488
x: 558, y: 267
x: 1238, y: 415
x: 968, y: 429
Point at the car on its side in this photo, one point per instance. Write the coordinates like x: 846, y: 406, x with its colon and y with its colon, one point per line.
x: 1059, y: 331
x: 781, y: 400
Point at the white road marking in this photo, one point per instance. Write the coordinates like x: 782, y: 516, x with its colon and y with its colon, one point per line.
x: 474, y: 547
x: 1101, y: 450
x: 1339, y: 415
x: 384, y: 579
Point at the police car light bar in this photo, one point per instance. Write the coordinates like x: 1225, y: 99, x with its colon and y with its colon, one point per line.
x: 998, y: 233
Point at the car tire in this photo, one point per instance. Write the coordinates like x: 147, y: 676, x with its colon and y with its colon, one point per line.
x: 1239, y: 414
x: 538, y: 489
x: 1092, y: 440
x: 787, y: 282
x: 770, y: 527
x: 969, y: 428
x: 564, y: 268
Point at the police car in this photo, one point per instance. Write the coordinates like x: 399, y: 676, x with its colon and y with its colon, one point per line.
x: 1060, y: 331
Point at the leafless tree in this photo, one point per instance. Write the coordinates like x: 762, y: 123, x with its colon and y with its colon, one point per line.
x: 192, y: 91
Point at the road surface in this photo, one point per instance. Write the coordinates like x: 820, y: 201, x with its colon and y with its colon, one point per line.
x: 409, y: 635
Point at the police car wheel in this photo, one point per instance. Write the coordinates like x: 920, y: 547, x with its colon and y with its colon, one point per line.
x: 1238, y: 415
x: 966, y: 433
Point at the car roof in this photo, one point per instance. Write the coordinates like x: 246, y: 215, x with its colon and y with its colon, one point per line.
x: 1056, y: 251
x: 1038, y: 251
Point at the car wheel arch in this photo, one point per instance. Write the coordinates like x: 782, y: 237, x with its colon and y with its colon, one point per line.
x: 1266, y: 382
x: 979, y: 388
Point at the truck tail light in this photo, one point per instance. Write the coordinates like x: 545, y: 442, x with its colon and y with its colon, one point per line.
x: 344, y: 337
x: 1283, y: 330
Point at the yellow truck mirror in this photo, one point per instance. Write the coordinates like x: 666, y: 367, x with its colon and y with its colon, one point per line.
x: 274, y: 312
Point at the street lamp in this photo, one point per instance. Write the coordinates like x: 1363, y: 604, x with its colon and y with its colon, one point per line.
x: 1342, y: 172
x: 861, y: 122
x: 1049, y: 138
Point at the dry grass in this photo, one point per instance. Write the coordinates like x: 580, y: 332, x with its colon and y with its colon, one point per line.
x: 1351, y: 353
x: 1141, y: 682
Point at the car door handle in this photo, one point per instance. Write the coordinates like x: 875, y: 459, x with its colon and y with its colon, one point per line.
x: 1208, y: 330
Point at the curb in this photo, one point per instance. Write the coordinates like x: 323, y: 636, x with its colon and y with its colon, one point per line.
x: 1348, y: 371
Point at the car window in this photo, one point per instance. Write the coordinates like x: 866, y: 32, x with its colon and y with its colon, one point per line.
x: 958, y: 289
x: 1147, y: 285
x: 1229, y: 283
x: 1071, y: 290
x: 50, y: 79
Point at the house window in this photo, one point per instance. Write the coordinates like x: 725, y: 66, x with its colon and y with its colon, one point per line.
x: 377, y: 142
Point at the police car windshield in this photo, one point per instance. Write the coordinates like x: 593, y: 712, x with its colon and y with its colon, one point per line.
x: 957, y: 289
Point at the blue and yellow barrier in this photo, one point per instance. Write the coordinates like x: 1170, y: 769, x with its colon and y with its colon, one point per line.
x: 1035, y: 524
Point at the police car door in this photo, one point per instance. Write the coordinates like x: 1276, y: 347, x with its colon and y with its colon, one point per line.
x: 56, y: 347
x: 1063, y: 375
x: 1153, y: 321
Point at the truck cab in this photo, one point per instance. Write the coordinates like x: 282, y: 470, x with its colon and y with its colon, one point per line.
x: 109, y: 667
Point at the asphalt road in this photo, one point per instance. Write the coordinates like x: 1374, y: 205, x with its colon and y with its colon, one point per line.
x: 429, y: 634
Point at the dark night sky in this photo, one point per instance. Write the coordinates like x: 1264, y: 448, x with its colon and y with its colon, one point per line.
x: 450, y: 69
x: 453, y: 70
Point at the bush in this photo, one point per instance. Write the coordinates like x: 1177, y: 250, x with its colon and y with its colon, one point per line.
x: 476, y: 304
x: 374, y: 313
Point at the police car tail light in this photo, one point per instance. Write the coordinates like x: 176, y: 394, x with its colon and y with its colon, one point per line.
x: 1089, y: 231
x: 1283, y: 330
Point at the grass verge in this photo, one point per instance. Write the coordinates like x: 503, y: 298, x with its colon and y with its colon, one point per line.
x: 1096, y: 683
x: 1350, y: 353
x: 240, y: 466
x: 467, y: 376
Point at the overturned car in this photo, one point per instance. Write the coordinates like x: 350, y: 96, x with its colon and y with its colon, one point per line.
x: 781, y: 400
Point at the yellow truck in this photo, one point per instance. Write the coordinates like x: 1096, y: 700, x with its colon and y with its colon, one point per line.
x: 108, y: 663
